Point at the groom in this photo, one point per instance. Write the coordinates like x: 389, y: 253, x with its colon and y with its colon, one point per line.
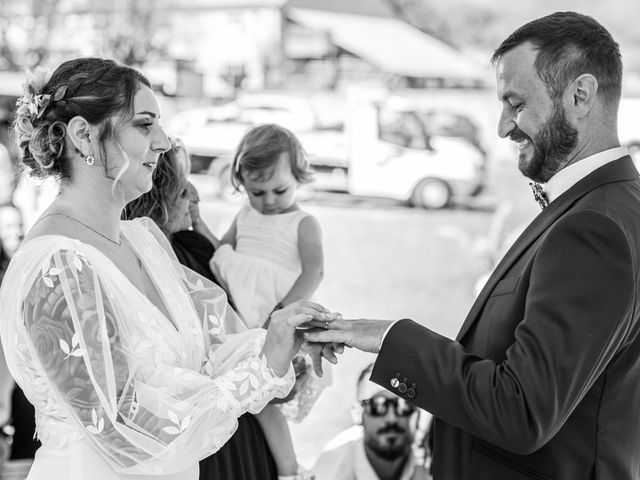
x: 543, y: 379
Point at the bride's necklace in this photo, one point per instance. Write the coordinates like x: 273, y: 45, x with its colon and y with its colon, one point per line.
x: 118, y: 243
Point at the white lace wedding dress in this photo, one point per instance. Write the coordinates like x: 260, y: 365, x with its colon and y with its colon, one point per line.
x: 121, y: 391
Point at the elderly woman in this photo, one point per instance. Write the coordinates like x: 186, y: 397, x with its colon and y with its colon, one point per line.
x: 172, y: 203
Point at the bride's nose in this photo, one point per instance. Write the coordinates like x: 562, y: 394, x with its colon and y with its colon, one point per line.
x: 160, y: 142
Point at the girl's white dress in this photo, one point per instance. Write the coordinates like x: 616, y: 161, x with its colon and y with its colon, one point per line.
x: 264, y: 265
x: 120, y: 390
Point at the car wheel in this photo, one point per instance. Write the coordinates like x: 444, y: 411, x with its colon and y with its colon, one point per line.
x: 431, y: 193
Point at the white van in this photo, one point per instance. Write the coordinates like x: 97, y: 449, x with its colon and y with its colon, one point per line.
x: 427, y: 157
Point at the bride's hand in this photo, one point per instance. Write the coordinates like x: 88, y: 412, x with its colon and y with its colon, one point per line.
x: 283, y: 341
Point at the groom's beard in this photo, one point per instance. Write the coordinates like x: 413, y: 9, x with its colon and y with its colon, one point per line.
x: 551, y: 147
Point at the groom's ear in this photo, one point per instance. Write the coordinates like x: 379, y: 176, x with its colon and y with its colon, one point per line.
x: 582, y: 95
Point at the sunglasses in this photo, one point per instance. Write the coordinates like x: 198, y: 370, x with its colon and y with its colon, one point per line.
x: 379, y: 406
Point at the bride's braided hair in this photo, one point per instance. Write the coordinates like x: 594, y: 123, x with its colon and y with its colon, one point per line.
x: 93, y: 88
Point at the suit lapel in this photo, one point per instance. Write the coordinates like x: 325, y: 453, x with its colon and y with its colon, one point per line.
x: 618, y: 170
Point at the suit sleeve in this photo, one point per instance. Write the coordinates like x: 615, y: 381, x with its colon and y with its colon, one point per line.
x: 578, y: 310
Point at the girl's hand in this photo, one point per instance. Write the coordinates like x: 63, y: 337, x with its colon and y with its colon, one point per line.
x: 283, y: 339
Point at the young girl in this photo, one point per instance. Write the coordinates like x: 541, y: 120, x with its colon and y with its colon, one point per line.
x: 271, y: 256
x: 272, y: 253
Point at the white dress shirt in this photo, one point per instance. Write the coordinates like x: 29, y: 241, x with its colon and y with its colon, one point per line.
x: 345, y: 458
x: 572, y: 174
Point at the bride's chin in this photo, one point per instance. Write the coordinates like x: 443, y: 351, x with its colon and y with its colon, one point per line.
x: 136, y: 192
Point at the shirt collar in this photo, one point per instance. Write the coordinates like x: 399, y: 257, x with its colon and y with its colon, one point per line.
x: 572, y: 174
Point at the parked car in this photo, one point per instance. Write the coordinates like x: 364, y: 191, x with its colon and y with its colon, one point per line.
x: 212, y: 133
x: 428, y: 157
x: 391, y: 150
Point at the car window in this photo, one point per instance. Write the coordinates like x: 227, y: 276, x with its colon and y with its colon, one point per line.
x: 448, y: 124
x: 402, y: 128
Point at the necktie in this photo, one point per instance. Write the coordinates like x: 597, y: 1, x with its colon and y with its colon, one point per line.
x: 539, y: 195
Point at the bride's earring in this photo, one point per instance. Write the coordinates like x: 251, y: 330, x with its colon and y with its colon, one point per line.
x: 89, y: 159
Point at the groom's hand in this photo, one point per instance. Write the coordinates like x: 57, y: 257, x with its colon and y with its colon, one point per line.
x: 318, y: 350
x: 363, y: 334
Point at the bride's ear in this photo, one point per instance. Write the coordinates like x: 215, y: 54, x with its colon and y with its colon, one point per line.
x: 82, y: 135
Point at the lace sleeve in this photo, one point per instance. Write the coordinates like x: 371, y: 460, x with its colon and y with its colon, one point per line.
x: 123, y: 384
x: 224, y: 331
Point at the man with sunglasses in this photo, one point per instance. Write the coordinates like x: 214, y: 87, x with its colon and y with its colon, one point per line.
x: 382, y: 448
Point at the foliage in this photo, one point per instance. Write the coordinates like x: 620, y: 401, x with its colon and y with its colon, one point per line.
x: 25, y: 32
x: 481, y: 25
x: 132, y: 32
x: 32, y: 31
x: 459, y: 30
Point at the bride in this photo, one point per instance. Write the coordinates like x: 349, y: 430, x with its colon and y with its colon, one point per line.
x: 134, y: 364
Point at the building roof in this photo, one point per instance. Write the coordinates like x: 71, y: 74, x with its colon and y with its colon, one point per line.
x: 392, y: 45
x: 373, y: 8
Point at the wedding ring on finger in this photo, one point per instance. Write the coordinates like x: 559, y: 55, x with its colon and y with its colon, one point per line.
x: 326, y: 325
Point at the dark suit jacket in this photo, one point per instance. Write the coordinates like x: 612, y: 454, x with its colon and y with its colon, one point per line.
x: 543, y: 380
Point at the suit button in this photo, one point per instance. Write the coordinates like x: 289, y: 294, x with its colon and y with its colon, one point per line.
x: 395, y: 382
x: 411, y: 393
x: 402, y: 387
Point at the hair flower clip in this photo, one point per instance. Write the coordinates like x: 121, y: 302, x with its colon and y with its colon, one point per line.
x: 60, y: 93
x: 42, y: 102
x: 37, y: 104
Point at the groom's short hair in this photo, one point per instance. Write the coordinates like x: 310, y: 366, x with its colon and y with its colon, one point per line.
x: 570, y: 44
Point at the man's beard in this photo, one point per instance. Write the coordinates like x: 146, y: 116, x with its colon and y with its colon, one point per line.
x: 551, y: 147
x: 399, y: 448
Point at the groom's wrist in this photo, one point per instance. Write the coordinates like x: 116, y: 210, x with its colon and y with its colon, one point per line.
x: 386, y: 332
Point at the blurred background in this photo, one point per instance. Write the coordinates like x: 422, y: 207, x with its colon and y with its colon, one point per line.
x: 394, y: 101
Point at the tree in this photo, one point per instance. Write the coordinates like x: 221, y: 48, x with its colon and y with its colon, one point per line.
x: 471, y: 25
x: 25, y: 32
x: 130, y: 30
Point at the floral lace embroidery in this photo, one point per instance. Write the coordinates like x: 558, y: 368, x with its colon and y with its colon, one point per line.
x: 90, y: 349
